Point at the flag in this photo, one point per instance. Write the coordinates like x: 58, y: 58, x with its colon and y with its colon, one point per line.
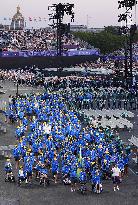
x: 30, y: 19
x: 80, y: 159
x: 78, y: 172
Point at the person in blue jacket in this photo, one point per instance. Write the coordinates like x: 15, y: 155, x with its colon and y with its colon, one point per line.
x: 55, y: 169
x: 28, y: 167
x: 74, y: 180
x: 97, y: 182
x: 16, y: 154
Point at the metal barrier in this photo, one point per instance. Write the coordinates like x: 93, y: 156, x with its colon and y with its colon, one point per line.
x: 3, y: 105
x: 6, y: 151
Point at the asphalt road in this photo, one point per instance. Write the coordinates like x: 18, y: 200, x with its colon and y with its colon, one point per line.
x: 11, y: 194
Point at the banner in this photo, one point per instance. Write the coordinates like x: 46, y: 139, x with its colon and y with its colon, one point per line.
x: 49, y: 53
x: 87, y: 52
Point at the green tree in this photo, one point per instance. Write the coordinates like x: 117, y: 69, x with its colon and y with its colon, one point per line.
x: 106, y: 41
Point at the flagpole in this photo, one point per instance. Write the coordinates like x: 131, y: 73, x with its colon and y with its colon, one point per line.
x: 80, y: 154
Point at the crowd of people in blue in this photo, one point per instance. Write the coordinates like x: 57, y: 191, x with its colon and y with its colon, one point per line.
x: 100, y: 93
x: 54, y: 145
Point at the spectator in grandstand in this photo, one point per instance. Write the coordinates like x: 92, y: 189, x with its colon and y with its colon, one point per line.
x: 36, y: 40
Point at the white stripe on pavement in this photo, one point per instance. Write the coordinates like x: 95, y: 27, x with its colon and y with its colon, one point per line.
x: 133, y: 171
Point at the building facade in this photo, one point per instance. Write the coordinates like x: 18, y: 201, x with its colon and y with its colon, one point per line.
x: 18, y: 22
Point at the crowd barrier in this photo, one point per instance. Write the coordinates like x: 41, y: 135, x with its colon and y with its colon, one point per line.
x: 3, y: 105
x: 45, y: 62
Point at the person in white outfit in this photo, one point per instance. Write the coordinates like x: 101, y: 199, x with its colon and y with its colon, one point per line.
x: 116, y: 176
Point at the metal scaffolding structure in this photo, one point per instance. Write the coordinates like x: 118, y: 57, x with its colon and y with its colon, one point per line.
x: 59, y: 10
x: 128, y: 30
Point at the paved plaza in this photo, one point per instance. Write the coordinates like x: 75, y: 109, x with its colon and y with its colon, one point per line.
x: 11, y: 194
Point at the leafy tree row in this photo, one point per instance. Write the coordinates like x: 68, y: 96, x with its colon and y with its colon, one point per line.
x: 107, y: 41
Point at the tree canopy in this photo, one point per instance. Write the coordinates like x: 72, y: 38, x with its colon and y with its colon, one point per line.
x: 107, y: 41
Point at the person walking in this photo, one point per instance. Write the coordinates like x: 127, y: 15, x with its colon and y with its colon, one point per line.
x: 116, y: 176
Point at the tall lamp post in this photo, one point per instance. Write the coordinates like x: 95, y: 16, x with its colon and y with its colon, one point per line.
x: 128, y: 30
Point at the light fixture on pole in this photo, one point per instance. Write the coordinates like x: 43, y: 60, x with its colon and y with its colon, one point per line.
x: 128, y: 30
x: 59, y: 10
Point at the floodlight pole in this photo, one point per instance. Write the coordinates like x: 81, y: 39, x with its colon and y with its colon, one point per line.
x: 126, y: 61
x: 59, y: 37
x: 129, y: 33
x: 131, y: 59
x: 57, y: 17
